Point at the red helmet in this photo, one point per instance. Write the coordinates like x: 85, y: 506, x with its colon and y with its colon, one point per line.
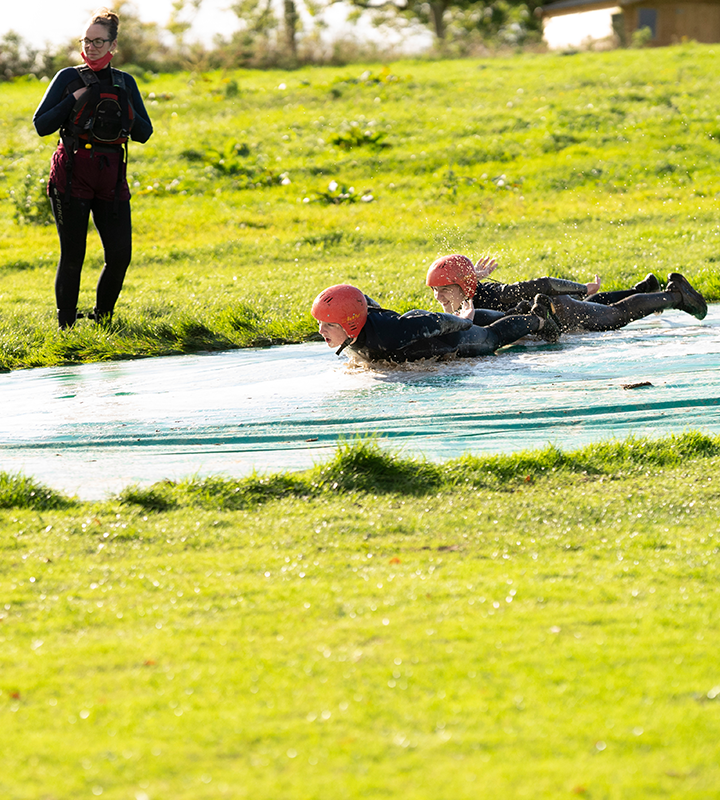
x: 453, y: 269
x: 344, y: 305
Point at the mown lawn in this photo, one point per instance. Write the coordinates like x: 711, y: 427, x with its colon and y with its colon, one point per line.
x: 564, y: 165
x: 540, y: 625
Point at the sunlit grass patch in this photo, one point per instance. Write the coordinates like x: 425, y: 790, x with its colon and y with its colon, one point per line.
x: 19, y: 491
x: 506, y: 638
x: 537, y: 159
x: 362, y: 465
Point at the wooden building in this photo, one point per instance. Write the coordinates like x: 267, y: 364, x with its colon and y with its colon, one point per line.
x: 669, y: 21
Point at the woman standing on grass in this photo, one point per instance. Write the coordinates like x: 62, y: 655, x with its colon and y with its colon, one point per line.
x: 96, y: 109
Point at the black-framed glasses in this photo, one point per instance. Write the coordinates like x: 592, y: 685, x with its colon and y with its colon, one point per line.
x: 96, y: 43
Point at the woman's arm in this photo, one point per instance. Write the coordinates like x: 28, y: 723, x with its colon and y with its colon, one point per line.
x: 142, y: 128
x: 55, y: 107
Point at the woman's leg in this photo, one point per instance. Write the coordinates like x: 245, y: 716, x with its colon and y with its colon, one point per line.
x: 583, y: 316
x: 71, y: 220
x: 113, y: 222
x: 648, y: 284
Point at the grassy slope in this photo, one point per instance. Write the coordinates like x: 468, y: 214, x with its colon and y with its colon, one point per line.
x: 601, y: 162
x: 475, y: 635
x: 497, y: 637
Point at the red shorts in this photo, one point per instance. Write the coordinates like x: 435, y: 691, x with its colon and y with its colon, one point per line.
x: 95, y: 175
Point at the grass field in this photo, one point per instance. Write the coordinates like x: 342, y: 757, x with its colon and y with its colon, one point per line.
x: 542, y: 625
x: 564, y: 165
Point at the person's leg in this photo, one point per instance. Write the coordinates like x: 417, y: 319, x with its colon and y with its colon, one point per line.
x: 578, y: 315
x: 608, y: 298
x: 648, y: 284
x: 71, y: 220
x: 486, y: 316
x: 483, y: 341
x: 113, y: 222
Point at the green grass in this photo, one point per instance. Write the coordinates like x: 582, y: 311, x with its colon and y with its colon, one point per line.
x: 599, y: 162
x: 539, y: 625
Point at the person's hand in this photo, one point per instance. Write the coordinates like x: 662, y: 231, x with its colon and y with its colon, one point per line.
x: 594, y: 286
x: 485, y: 266
x: 466, y: 310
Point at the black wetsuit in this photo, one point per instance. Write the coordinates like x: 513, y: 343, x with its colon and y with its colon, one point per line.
x: 615, y: 309
x: 490, y: 295
x: 96, y: 187
x: 389, y: 336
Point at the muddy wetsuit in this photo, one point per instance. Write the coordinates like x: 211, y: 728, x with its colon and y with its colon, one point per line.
x: 98, y: 185
x: 503, y: 296
x: 604, y: 311
x: 578, y: 315
x: 389, y: 336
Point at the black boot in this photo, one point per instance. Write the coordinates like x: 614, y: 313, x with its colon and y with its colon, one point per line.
x: 691, y: 301
x: 523, y: 307
x: 66, y: 318
x: 649, y: 283
x: 102, y: 317
x: 544, y: 309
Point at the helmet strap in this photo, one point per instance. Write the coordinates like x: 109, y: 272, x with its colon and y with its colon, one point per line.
x: 347, y: 341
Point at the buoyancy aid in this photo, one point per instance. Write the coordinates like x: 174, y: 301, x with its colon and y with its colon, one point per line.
x: 101, y: 118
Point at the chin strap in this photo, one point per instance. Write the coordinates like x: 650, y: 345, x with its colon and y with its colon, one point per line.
x: 347, y: 341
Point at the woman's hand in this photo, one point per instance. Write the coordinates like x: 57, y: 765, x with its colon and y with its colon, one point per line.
x: 466, y: 310
x: 485, y: 266
x: 594, y: 286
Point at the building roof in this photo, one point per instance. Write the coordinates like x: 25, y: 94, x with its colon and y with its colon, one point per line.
x: 568, y: 6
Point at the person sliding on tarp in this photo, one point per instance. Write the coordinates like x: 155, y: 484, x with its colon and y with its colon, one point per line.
x: 454, y: 282
x: 504, y: 296
x: 349, y: 319
x: 97, y: 109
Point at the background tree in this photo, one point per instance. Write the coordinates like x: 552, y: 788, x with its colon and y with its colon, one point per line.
x: 17, y: 57
x: 272, y: 29
x: 141, y: 43
x: 499, y: 21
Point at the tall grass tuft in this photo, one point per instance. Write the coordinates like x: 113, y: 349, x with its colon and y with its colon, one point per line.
x: 158, y: 497
x: 215, y: 493
x: 360, y: 465
x: 230, y: 495
x: 17, y: 491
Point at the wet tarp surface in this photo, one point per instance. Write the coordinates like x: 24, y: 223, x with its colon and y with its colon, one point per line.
x: 92, y: 430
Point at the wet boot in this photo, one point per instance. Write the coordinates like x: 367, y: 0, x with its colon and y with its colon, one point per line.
x: 550, y: 327
x: 648, y: 284
x: 523, y: 307
x: 691, y: 301
x: 66, y: 318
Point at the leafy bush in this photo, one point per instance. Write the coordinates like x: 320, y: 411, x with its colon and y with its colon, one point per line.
x: 352, y: 134
x: 16, y: 56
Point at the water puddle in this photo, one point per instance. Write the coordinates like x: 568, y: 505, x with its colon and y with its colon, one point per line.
x: 94, y: 429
